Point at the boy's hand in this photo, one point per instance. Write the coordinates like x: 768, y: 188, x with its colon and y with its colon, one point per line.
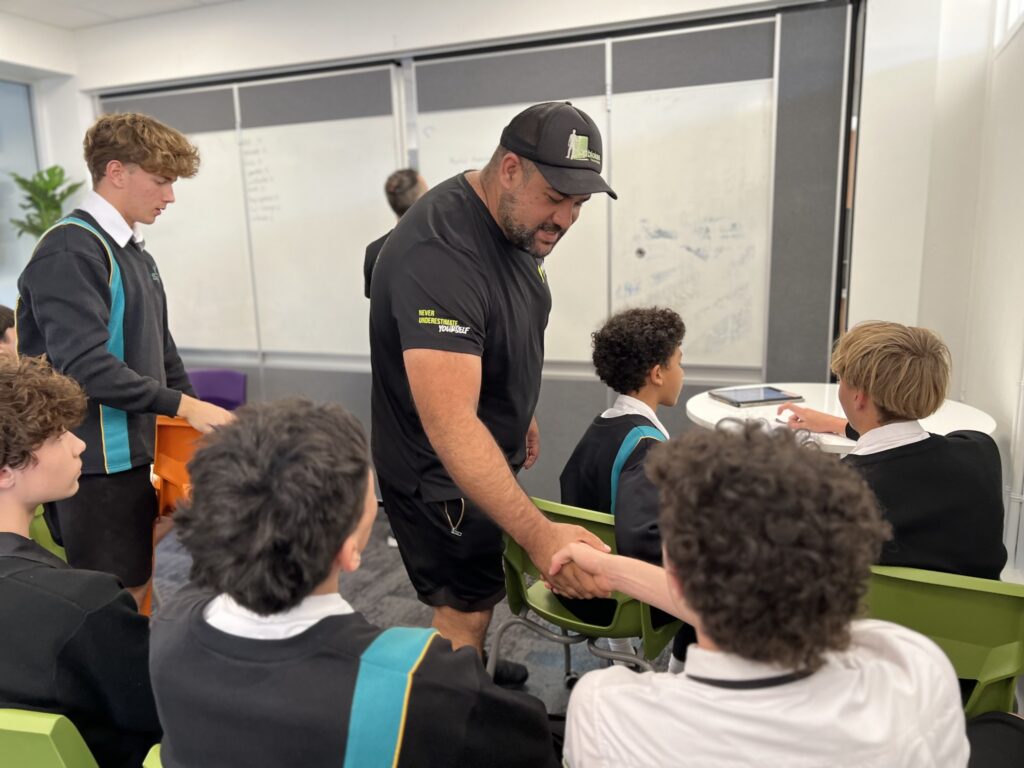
x: 570, y: 581
x: 812, y: 420
x: 588, y: 560
x: 203, y: 416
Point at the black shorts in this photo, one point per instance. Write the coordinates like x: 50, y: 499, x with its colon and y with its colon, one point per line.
x: 451, y: 550
x: 108, y: 525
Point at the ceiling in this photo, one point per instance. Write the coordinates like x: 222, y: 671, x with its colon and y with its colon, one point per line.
x: 75, y: 14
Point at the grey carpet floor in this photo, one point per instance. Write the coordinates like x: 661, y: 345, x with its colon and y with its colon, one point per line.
x: 380, y: 589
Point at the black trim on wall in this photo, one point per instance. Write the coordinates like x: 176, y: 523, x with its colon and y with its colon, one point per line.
x: 523, y: 77
x: 338, y: 97
x: 807, y: 171
x: 722, y: 55
x: 190, y: 112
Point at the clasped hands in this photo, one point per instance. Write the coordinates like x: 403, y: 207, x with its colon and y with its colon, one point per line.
x: 568, y: 557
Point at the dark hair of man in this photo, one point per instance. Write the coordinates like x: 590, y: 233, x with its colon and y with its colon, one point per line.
x: 771, y: 541
x: 402, y: 190
x: 632, y: 342
x: 6, y: 319
x: 36, y: 403
x: 274, y: 495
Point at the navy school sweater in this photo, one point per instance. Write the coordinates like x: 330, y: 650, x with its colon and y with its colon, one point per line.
x: 99, y: 314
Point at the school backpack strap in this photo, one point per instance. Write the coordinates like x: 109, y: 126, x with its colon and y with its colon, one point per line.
x: 629, y: 444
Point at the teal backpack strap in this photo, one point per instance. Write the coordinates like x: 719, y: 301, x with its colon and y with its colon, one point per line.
x: 381, y: 699
x: 113, y: 422
x: 629, y: 444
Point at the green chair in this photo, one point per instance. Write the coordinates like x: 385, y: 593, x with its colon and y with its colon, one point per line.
x: 978, y: 623
x: 153, y: 758
x: 526, y: 593
x: 41, y: 740
x: 39, y: 532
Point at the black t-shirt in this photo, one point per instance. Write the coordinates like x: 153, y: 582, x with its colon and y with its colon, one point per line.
x: 447, y: 279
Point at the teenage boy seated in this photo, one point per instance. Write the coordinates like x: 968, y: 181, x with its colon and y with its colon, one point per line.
x: 261, y: 662
x: 72, y: 641
x: 768, y: 547
x: 637, y: 353
x: 942, y: 494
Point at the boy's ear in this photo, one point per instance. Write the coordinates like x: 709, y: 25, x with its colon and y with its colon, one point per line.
x: 348, y: 557
x: 656, y: 375
x: 6, y: 478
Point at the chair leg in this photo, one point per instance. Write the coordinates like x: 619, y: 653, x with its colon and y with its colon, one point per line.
x: 564, y: 639
x: 601, y: 653
x: 567, y: 649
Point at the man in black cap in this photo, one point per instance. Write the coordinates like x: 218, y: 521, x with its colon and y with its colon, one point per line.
x: 459, y: 304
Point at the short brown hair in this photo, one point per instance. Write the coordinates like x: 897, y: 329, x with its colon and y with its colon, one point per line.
x: 771, y: 541
x: 275, y: 493
x: 142, y: 140
x: 904, y: 370
x: 402, y: 189
x: 36, y: 403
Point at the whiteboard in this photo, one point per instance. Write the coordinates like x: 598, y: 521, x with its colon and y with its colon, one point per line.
x: 200, y: 244
x: 690, y: 230
x: 457, y: 140
x: 316, y: 199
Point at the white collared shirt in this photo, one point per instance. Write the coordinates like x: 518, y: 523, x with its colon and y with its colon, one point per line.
x: 624, y: 404
x: 108, y: 217
x: 225, y: 614
x: 891, y: 699
x: 889, y: 436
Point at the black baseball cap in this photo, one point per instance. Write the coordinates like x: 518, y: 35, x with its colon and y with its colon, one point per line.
x: 564, y: 144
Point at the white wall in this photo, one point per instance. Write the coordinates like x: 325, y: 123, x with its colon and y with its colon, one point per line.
x: 895, y: 129
x: 995, y: 333
x: 252, y: 35
x: 965, y: 50
x: 29, y: 50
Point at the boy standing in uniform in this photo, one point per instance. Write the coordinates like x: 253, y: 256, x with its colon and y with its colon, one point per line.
x: 92, y: 301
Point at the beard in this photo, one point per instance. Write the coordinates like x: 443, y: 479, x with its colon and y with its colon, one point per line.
x: 521, y: 236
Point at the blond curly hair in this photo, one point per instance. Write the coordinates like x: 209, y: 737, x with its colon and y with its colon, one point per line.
x: 140, y: 139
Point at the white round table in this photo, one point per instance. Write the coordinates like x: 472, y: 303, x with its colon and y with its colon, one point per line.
x: 707, y: 412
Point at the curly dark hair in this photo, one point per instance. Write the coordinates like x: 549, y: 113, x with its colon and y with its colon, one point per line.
x: 36, y: 403
x: 632, y: 342
x: 274, y: 495
x: 771, y: 541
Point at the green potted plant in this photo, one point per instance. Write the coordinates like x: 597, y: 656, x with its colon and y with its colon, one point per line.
x: 45, y: 194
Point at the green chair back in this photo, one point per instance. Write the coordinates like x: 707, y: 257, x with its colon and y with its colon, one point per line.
x: 628, y: 618
x: 978, y: 623
x: 153, y: 758
x: 39, y: 532
x: 41, y: 740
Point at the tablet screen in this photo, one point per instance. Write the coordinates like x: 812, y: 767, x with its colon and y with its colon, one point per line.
x: 755, y: 395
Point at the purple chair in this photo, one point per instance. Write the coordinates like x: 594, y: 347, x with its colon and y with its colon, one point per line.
x: 219, y: 386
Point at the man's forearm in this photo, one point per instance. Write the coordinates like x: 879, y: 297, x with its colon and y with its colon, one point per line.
x: 476, y: 464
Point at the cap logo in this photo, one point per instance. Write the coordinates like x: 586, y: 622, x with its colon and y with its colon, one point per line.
x: 579, y: 149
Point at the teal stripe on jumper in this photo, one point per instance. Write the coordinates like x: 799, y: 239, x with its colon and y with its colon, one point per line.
x: 629, y: 444
x: 381, y: 696
x: 117, y: 456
